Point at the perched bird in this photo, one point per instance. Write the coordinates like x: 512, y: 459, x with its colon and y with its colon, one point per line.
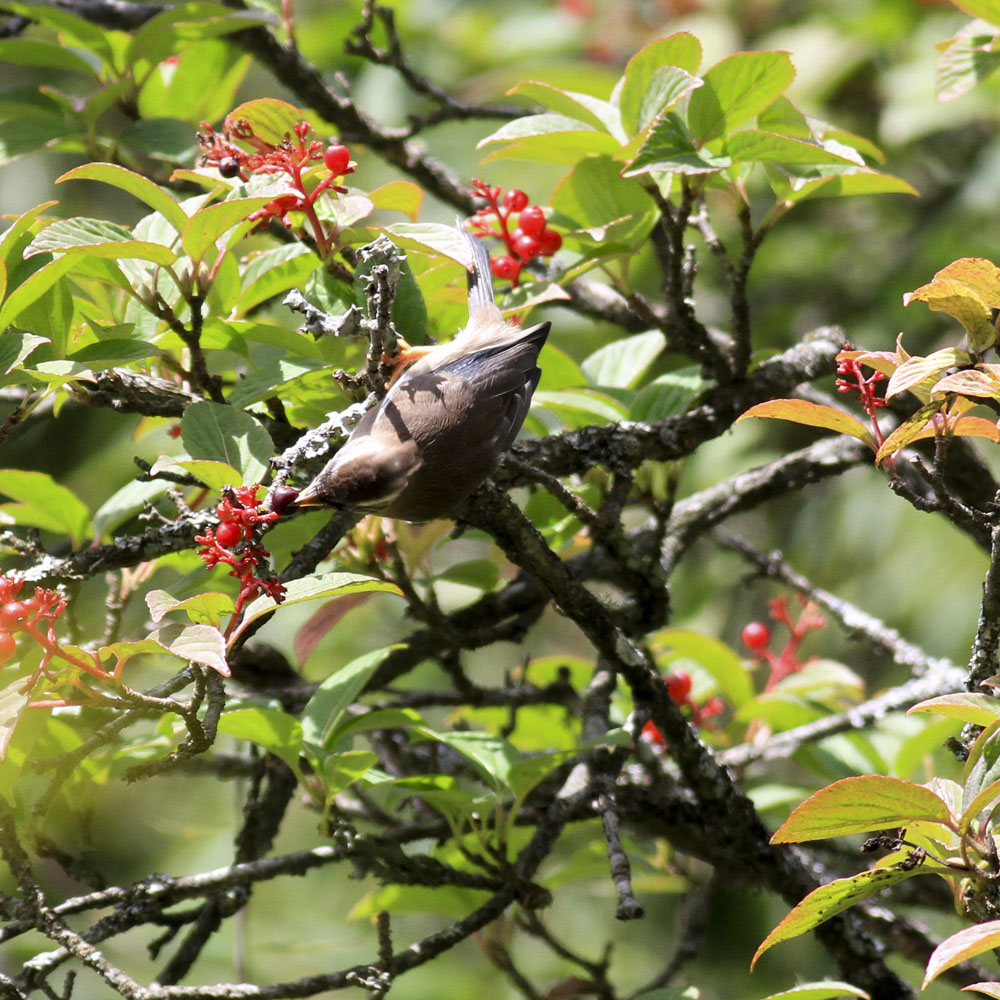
x: 446, y: 420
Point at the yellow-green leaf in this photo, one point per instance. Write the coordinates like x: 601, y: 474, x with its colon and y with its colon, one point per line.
x: 800, y: 411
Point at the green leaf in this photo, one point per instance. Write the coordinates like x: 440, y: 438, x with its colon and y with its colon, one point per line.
x: 829, y: 900
x: 492, y: 756
x: 967, y: 60
x: 34, y: 52
x: 578, y: 407
x: 671, y: 148
x: 124, y: 504
x: 210, y: 223
x: 825, y: 990
x: 529, y: 130
x: 800, y: 411
x: 756, y: 146
x: 584, y: 108
x: 20, y: 226
x: 276, y: 731
x: 977, y: 709
x: 735, y: 89
x: 202, y: 609
x: 33, y: 288
x: 271, y: 120
x: 326, y: 710
x: 135, y: 184
x: 644, y: 81
x: 593, y: 194
x: 224, y: 434
x: 340, y: 770
x: 622, y: 363
x: 14, y: 700
x: 433, y: 238
x: 213, y: 474
x: 15, y: 348
x: 96, y: 238
x: 107, y: 353
x: 313, y: 588
x: 668, y: 395
x: 961, y: 947
x: 273, y: 272
x: 42, y: 502
x: 861, y: 804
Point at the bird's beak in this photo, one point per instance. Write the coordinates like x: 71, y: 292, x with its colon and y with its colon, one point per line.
x: 307, y: 498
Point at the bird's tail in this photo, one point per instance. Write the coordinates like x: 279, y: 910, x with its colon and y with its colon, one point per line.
x: 481, y: 301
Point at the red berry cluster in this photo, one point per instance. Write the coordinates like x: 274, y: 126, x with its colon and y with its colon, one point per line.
x: 852, y: 379
x: 35, y: 615
x: 530, y: 238
x: 679, y: 689
x: 756, y: 637
x: 234, y: 543
x: 292, y: 156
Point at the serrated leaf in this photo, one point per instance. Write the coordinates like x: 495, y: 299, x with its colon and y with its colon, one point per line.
x: 622, y: 363
x: 45, y: 500
x: 859, y: 805
x: 800, y: 411
x: 224, y: 434
x: 735, y: 89
x: 671, y: 148
x: 135, y: 184
x: 644, y: 80
x: 97, y: 238
x: 758, y: 146
x: 313, y: 588
x: 960, y: 947
x: 829, y: 900
x: 327, y: 708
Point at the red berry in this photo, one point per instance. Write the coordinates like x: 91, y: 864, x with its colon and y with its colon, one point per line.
x: 756, y: 636
x: 8, y: 646
x: 525, y: 246
x: 549, y: 242
x: 228, y: 534
x: 514, y: 200
x: 282, y: 497
x: 13, y: 615
x: 505, y: 268
x: 224, y: 512
x: 532, y: 221
x: 714, y: 706
x: 229, y: 166
x: 337, y: 159
x: 652, y: 734
x: 679, y: 687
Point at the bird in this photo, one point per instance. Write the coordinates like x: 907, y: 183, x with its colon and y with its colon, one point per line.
x: 446, y: 420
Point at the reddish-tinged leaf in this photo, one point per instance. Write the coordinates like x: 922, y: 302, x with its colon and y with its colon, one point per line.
x: 918, y: 374
x: 799, y: 411
x: 987, y: 989
x: 861, y: 804
x: 979, y: 709
x: 983, y: 380
x: 961, y: 302
x: 321, y: 621
x: 908, y: 431
x: 829, y: 900
x: 966, y: 427
x: 960, y: 947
